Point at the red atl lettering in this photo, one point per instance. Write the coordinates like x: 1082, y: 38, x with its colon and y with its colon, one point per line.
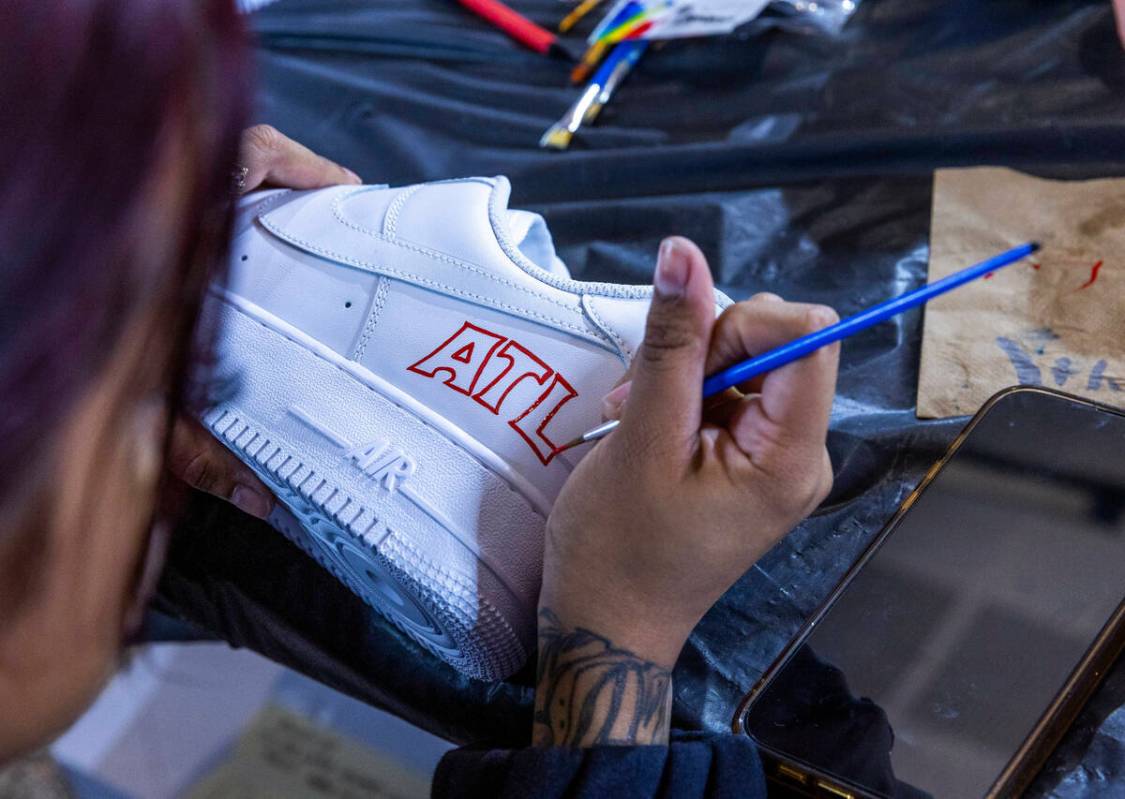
x: 472, y: 352
x: 462, y: 355
x: 531, y: 423
x: 521, y: 364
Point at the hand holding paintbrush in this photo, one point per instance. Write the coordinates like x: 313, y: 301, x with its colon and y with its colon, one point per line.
x: 739, y: 373
x: 659, y: 519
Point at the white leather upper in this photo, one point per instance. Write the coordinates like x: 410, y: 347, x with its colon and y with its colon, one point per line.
x: 385, y: 276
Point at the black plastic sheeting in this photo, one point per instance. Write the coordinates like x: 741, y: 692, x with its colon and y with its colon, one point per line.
x: 801, y: 164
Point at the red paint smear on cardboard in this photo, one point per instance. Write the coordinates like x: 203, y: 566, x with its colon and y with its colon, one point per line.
x: 1093, y: 276
x: 1034, y: 266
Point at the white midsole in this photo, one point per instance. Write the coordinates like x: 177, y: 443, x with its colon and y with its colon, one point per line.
x: 286, y: 372
x: 478, y: 450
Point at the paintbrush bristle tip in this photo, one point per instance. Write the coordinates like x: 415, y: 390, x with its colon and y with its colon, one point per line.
x: 557, y: 138
x: 1035, y: 246
x: 572, y: 444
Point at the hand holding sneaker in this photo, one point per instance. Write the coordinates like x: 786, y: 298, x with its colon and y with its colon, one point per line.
x: 409, y: 364
x: 661, y: 517
x: 268, y: 157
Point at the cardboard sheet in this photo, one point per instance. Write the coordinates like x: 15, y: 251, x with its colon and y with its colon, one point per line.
x: 285, y: 756
x: 1056, y: 319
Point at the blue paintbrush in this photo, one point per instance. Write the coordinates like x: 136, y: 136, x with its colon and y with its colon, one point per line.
x: 795, y: 350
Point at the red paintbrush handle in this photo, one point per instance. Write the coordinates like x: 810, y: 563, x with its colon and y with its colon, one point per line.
x: 516, y: 25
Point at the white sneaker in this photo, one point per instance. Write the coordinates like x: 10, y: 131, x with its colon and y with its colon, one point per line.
x: 409, y: 361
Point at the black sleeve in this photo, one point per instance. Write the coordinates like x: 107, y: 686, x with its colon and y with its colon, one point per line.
x: 707, y: 767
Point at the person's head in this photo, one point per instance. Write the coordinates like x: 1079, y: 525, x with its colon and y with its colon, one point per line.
x: 118, y: 135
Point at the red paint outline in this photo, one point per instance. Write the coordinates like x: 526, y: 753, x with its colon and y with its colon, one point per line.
x: 468, y: 356
x: 453, y: 372
x: 539, y: 378
x: 555, y: 448
x: 499, y: 340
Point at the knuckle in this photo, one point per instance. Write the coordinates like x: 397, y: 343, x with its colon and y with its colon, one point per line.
x: 811, y: 489
x: 263, y: 138
x: 765, y: 296
x: 804, y: 482
x: 819, y: 317
x: 827, y: 479
x: 664, y: 337
x: 727, y: 323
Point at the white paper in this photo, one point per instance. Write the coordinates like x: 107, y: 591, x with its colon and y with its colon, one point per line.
x: 685, y: 18
x: 285, y: 756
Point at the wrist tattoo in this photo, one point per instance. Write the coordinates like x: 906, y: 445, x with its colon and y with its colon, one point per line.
x: 590, y: 692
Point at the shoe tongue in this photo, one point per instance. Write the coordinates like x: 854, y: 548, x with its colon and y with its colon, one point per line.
x: 529, y: 233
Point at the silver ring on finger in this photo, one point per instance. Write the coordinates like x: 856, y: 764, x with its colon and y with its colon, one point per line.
x: 238, y: 180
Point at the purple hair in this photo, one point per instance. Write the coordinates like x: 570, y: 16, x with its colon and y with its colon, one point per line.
x: 90, y: 91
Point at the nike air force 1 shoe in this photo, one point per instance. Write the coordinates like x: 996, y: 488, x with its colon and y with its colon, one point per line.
x: 409, y: 362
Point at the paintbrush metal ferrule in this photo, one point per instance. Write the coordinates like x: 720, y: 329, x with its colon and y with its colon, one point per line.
x: 601, y: 431
x: 606, y: 93
x: 627, y: 55
x: 595, y: 95
x: 558, y: 136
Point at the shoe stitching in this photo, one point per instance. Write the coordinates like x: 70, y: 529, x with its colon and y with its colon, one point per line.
x: 600, y: 321
x: 390, y: 222
x: 480, y: 299
x: 372, y: 317
x: 567, y: 284
x: 337, y: 212
x: 398, y: 407
x: 268, y: 204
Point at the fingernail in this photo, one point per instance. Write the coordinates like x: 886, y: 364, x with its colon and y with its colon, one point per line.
x: 614, y: 400
x: 250, y: 501
x: 355, y: 178
x: 671, y: 269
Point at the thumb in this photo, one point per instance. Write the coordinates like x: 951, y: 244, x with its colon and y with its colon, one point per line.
x: 666, y: 398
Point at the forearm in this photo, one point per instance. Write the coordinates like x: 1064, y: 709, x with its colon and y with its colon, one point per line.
x: 591, y: 692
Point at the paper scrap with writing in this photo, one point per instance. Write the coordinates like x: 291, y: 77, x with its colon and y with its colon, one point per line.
x: 1056, y: 319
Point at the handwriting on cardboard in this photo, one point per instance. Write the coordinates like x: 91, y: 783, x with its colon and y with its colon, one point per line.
x: 1057, y: 320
